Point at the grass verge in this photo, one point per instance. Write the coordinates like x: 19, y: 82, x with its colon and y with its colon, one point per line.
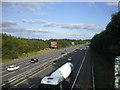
x: 28, y: 55
x: 103, y: 71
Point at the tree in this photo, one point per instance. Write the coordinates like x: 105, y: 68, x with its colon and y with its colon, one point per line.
x: 108, y: 41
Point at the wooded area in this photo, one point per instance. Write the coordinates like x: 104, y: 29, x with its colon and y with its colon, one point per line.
x: 108, y: 41
x: 12, y: 46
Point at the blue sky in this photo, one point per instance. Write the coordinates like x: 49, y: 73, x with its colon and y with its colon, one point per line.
x: 56, y: 20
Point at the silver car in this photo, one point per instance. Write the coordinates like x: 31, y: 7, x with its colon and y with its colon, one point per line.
x: 12, y: 67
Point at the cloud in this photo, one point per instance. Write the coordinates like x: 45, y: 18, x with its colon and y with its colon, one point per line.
x: 65, y: 26
x: 10, y: 26
x: 31, y: 35
x: 29, y: 6
x: 39, y: 30
x: 8, y: 23
x: 69, y: 36
x: 31, y: 0
x: 51, y: 24
x: 59, y: 0
x: 35, y: 21
x: 79, y: 36
x: 14, y: 27
x: 32, y: 7
x: 43, y: 22
x: 112, y: 4
x: 83, y: 26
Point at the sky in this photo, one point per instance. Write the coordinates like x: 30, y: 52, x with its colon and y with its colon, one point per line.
x: 56, y: 20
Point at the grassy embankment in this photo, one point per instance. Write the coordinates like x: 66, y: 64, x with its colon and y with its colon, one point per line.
x: 103, y: 71
x: 28, y: 55
x: 14, y: 48
x: 25, y: 55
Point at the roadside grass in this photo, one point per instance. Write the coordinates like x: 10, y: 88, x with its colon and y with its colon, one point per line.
x: 103, y: 71
x: 25, y: 55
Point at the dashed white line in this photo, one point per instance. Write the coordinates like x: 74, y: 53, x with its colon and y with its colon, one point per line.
x: 20, y: 65
x: 24, y: 67
x: 8, y: 74
x: 14, y: 71
x: 27, y: 63
x: 93, y: 79
x: 32, y: 75
x: 32, y: 86
x: 2, y: 71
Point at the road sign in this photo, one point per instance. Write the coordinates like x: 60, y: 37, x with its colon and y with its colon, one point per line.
x: 72, y: 43
x: 54, y: 44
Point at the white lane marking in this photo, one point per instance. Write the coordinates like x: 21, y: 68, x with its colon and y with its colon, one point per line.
x: 93, y: 77
x: 23, y: 62
x: 12, y: 80
x: 32, y: 86
x: 3, y: 71
x: 35, y: 63
x: 8, y: 74
x: 33, y: 75
x: 20, y: 65
x: 6, y: 69
x: 14, y: 71
x: 24, y: 67
x: 28, y: 63
x: 79, y: 71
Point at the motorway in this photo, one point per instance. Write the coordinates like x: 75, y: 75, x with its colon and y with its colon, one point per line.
x: 25, y: 64
x: 81, y: 72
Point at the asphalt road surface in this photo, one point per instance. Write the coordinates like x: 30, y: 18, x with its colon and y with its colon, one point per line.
x: 25, y: 64
x: 79, y: 78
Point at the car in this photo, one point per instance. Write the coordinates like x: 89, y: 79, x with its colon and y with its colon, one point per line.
x: 54, y: 62
x: 33, y: 60
x: 69, y: 59
x: 85, y: 49
x: 12, y: 67
x: 81, y: 49
x: 62, y: 53
x: 117, y: 58
x: 76, y: 49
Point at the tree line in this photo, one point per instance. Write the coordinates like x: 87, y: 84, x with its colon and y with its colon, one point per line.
x: 12, y: 47
x: 108, y: 41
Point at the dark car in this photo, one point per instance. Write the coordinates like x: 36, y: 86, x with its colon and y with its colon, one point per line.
x: 62, y: 53
x: 33, y: 60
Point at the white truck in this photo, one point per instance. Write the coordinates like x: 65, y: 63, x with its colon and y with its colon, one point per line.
x: 54, y: 81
